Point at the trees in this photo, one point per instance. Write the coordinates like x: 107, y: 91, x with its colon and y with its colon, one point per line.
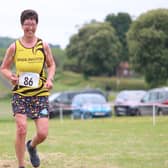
x: 148, y: 46
x: 121, y: 23
x: 95, y: 49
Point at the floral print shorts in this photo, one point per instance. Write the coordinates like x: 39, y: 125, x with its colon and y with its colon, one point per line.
x: 33, y: 106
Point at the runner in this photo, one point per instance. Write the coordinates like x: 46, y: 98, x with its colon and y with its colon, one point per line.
x: 33, y: 59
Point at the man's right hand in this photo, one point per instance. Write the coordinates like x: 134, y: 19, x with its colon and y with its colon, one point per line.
x: 14, y: 79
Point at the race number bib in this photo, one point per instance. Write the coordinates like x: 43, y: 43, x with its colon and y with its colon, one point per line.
x: 29, y: 79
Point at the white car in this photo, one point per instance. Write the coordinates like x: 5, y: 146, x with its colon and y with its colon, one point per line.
x: 158, y: 98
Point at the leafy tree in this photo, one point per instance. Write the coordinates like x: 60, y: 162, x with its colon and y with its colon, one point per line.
x: 121, y: 23
x: 148, y: 45
x: 95, y: 48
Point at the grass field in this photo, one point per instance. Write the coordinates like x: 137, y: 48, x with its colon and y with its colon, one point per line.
x: 117, y: 142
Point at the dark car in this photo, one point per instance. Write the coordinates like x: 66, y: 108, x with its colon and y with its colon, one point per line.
x: 158, y: 98
x: 127, y: 101
x: 60, y: 102
x: 89, y: 105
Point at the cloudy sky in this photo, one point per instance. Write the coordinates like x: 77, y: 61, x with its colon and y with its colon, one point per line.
x: 60, y: 19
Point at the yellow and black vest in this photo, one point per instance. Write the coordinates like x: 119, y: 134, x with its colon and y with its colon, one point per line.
x: 30, y: 60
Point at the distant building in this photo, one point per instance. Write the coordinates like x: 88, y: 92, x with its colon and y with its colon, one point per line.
x: 124, y: 70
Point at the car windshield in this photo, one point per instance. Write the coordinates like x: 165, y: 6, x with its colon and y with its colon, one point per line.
x: 89, y: 98
x: 131, y: 95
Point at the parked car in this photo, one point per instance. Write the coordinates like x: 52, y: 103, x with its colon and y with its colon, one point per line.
x: 157, y: 97
x: 62, y: 101
x: 127, y: 101
x: 90, y: 105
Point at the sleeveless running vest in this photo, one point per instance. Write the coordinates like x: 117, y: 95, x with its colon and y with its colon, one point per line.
x: 30, y: 60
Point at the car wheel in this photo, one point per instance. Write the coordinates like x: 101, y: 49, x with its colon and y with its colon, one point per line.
x: 51, y: 115
x: 160, y: 112
x: 86, y: 116
x: 138, y: 112
x: 117, y: 114
x: 110, y: 114
x: 75, y: 115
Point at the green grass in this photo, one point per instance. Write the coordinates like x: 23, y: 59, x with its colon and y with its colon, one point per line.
x: 117, y: 142
x: 69, y: 80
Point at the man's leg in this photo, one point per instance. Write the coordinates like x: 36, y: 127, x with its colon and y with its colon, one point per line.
x: 21, y: 130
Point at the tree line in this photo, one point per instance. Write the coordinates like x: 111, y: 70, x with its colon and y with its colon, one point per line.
x: 99, y: 47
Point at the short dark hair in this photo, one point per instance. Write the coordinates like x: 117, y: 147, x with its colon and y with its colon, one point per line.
x: 28, y: 14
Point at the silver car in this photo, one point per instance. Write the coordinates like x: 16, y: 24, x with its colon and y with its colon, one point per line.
x: 127, y: 101
x: 155, y: 100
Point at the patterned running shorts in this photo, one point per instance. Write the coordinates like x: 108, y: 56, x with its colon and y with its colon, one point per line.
x: 33, y: 106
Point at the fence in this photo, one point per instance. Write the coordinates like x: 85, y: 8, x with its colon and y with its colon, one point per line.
x: 154, y: 105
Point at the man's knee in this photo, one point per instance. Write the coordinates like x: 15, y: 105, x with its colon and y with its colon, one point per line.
x: 21, y: 124
x: 21, y: 129
x: 42, y: 135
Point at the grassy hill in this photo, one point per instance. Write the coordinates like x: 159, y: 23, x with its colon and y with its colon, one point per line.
x: 69, y: 80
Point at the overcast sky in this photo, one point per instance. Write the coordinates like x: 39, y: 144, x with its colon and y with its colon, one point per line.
x: 60, y: 19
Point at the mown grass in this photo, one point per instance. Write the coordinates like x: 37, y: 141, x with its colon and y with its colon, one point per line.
x: 117, y: 142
